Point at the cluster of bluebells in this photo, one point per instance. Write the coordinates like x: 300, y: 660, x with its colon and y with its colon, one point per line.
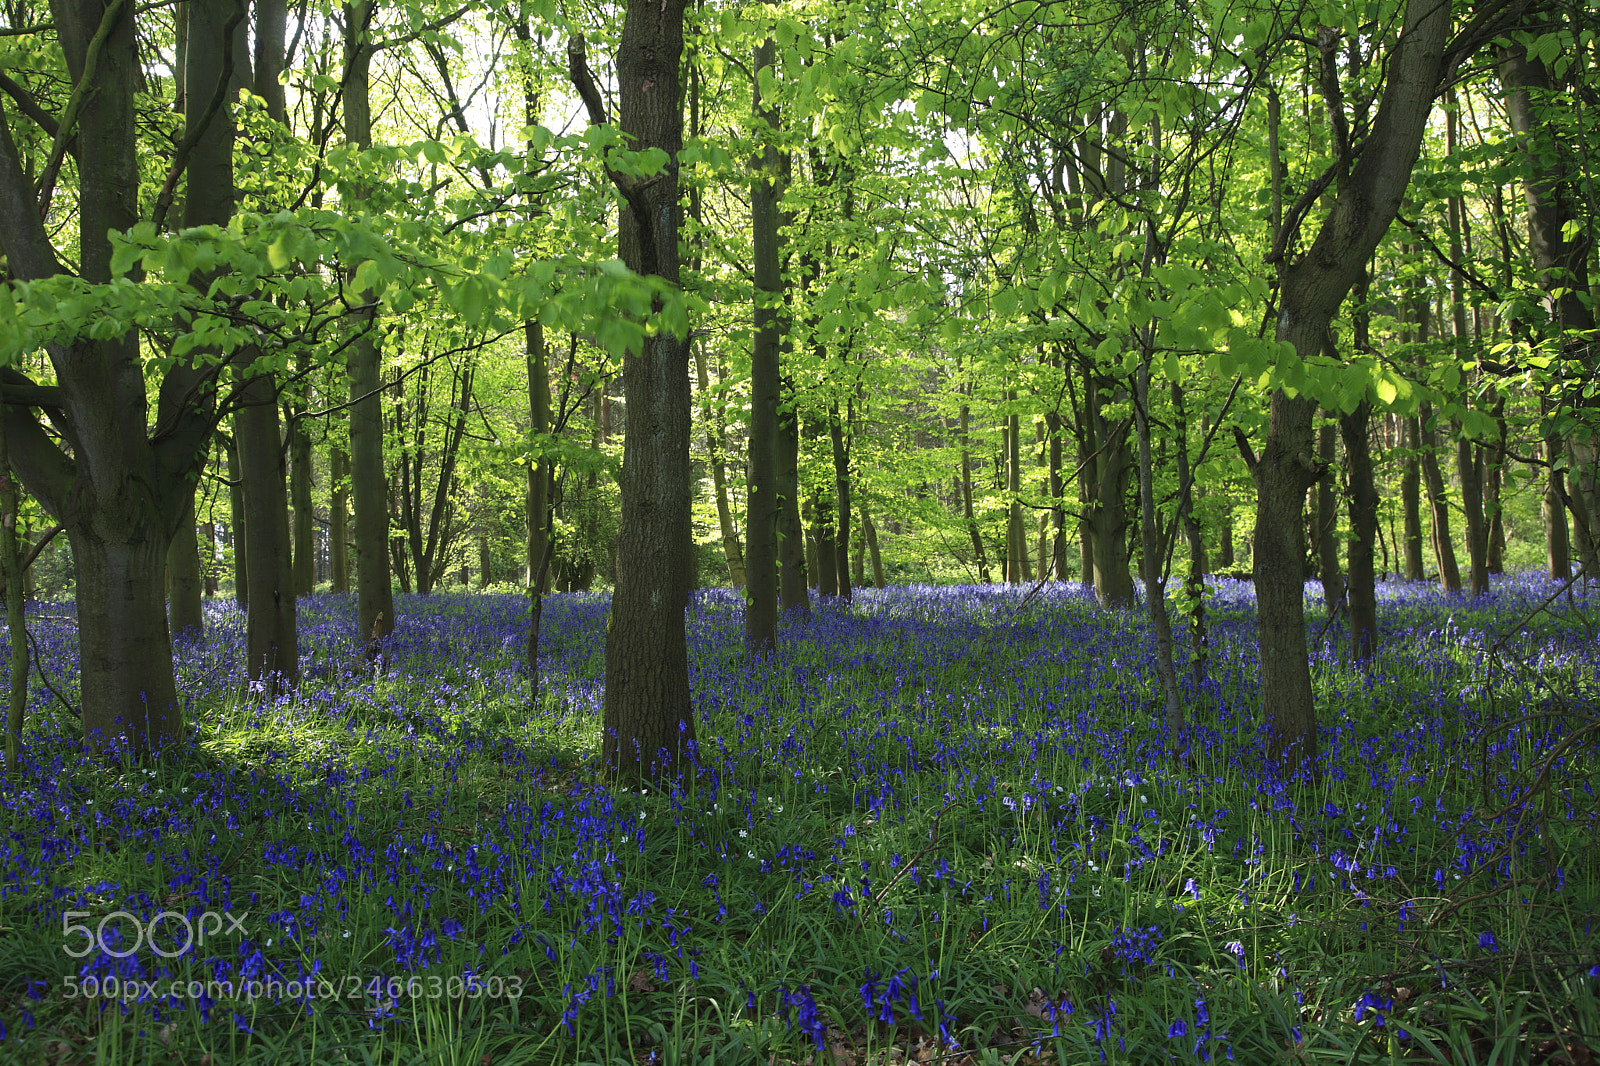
x: 408, y: 828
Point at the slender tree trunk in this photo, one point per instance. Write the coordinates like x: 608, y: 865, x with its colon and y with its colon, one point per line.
x: 839, y: 437
x: 16, y: 628
x: 966, y: 499
x: 1553, y: 510
x: 1108, y: 514
x: 339, y: 514
x: 374, y: 593
x: 1154, y: 557
x: 1439, y: 506
x: 1016, y: 535
x: 791, y: 530
x: 537, y: 530
x: 766, y: 386
x: 241, y: 570
x: 872, y: 550
x: 1361, y: 593
x: 1494, y: 483
x: 1058, y: 510
x: 1327, y: 524
x: 716, y: 443
x: 208, y: 556
x: 1411, y: 499
x: 300, y: 488
x: 1194, y: 585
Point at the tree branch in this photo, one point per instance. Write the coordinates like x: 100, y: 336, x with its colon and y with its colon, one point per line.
x: 191, y: 137
x: 69, y: 115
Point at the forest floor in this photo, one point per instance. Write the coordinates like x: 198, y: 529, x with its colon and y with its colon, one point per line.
x: 942, y: 826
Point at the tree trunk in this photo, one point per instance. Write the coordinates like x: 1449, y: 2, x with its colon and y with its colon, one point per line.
x: 368, y: 485
x: 1154, y: 557
x: 1411, y: 499
x: 185, y: 584
x: 537, y: 531
x: 827, y: 547
x: 273, y: 650
x: 1444, y: 550
x: 16, y: 627
x: 1311, y: 290
x: 304, y: 534
x: 966, y: 498
x: 241, y: 570
x: 841, y: 481
x: 1553, y: 510
x: 791, y: 531
x: 649, y: 726
x: 872, y: 550
x: 1558, y: 245
x: 1016, y: 535
x: 1058, y: 510
x: 208, y: 558
x: 716, y: 443
x: 1361, y: 593
x: 766, y: 385
x: 1108, y: 512
x: 1327, y: 539
x: 1194, y: 585
x: 338, y: 514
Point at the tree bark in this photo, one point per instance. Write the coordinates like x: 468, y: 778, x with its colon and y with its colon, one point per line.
x: 1327, y: 514
x: 1444, y: 549
x: 241, y: 569
x: 338, y: 513
x: 649, y: 722
x: 792, y: 593
x: 16, y: 622
x: 300, y: 488
x: 766, y: 384
x: 1016, y: 535
x: 1108, y: 511
x: 839, y: 437
x: 186, y: 615
x: 1361, y: 590
x: 368, y: 484
x: 273, y: 650
x: 966, y: 495
x: 712, y: 414
x: 1311, y: 291
x: 872, y: 549
x: 1411, y: 499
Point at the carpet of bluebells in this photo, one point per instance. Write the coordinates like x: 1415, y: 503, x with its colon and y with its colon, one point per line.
x: 943, y: 826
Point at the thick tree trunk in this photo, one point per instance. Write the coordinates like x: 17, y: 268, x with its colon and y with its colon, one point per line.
x: 766, y: 385
x: 186, y: 616
x: 1558, y: 245
x: 649, y: 722
x: 1361, y: 593
x: 208, y: 558
x: 1311, y: 290
x: 127, y: 680
x: 368, y: 484
x: 1108, y: 514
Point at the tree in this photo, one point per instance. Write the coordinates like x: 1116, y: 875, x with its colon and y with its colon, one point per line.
x: 649, y: 722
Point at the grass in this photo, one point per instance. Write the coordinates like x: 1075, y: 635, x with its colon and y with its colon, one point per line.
x: 940, y: 828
